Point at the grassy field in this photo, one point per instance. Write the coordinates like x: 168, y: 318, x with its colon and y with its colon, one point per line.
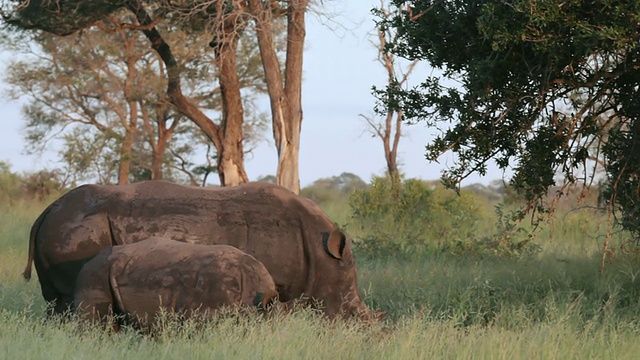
x: 554, y: 305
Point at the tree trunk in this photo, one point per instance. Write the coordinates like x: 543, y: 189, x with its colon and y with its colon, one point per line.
x: 391, y: 130
x: 159, y: 145
x: 288, y: 170
x: 285, y: 94
x: 185, y: 106
x: 130, y: 121
x: 391, y: 147
x: 124, y: 165
x: 230, y: 162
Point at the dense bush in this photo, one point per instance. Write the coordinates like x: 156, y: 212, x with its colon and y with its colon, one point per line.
x: 411, y: 217
x: 39, y: 185
x: 333, y: 189
x: 10, y: 184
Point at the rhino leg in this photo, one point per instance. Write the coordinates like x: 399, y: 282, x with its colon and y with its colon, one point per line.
x: 96, y: 310
x: 60, y: 284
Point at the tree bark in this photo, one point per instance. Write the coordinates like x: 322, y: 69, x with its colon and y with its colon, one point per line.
x: 159, y: 141
x: 164, y: 135
x: 235, y: 168
x: 230, y: 161
x: 288, y: 168
x: 391, y: 147
x: 124, y: 167
x: 130, y: 121
x: 285, y: 94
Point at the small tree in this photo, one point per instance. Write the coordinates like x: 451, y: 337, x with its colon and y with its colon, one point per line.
x: 389, y: 130
x: 64, y: 18
x: 93, y: 54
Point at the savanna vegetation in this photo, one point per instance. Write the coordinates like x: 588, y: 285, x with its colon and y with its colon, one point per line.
x: 456, y: 278
x: 544, y: 89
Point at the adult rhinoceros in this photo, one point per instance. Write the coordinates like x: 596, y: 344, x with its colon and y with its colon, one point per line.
x: 297, y: 242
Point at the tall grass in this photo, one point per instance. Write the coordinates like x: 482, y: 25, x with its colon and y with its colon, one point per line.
x: 555, y: 304
x: 305, y: 335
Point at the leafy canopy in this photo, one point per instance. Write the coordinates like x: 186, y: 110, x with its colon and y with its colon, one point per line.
x: 543, y: 87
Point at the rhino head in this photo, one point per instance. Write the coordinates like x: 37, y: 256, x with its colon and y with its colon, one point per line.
x: 341, y: 297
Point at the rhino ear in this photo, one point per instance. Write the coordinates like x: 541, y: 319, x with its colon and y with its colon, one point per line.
x: 334, y: 243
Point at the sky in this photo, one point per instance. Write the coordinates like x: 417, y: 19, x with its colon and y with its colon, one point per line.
x: 340, y: 67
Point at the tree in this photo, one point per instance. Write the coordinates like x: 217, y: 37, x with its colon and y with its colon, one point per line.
x: 390, y: 129
x: 284, y: 87
x: 285, y: 90
x: 156, y: 118
x: 230, y: 165
x: 534, y: 86
x: 39, y: 185
x: 333, y: 189
x: 68, y: 82
x: 228, y: 24
x: 284, y: 83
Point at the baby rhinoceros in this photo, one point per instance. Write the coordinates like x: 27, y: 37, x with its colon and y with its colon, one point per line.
x: 139, y: 280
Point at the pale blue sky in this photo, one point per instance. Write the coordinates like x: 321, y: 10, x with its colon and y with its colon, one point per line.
x: 339, y: 69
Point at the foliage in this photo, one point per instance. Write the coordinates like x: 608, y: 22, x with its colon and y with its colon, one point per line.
x: 410, y: 217
x: 622, y: 186
x: 43, y: 184
x: 102, y: 92
x: 271, y: 179
x: 40, y: 185
x: 536, y: 86
x: 333, y: 189
x: 10, y: 190
x: 508, y: 240
x: 58, y: 17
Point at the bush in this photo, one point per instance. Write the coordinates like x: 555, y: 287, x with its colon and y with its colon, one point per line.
x: 508, y: 239
x: 39, y: 185
x: 10, y: 184
x: 333, y: 189
x: 43, y: 184
x: 410, y: 217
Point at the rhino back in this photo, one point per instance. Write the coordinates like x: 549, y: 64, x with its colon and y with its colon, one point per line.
x: 75, y: 227
x: 184, y: 277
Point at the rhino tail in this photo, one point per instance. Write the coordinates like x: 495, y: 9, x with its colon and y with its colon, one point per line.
x: 32, y: 242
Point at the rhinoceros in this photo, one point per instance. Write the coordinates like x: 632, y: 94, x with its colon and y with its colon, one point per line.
x: 303, y: 250
x: 137, y: 281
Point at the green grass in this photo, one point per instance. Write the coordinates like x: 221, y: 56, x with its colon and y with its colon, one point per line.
x: 554, y: 305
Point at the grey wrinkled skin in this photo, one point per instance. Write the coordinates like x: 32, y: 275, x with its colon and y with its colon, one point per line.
x: 307, y: 256
x: 138, y: 281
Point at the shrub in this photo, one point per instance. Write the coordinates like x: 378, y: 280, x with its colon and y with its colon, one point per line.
x: 10, y: 184
x: 508, y: 240
x: 410, y: 217
x: 43, y: 184
x: 40, y: 185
